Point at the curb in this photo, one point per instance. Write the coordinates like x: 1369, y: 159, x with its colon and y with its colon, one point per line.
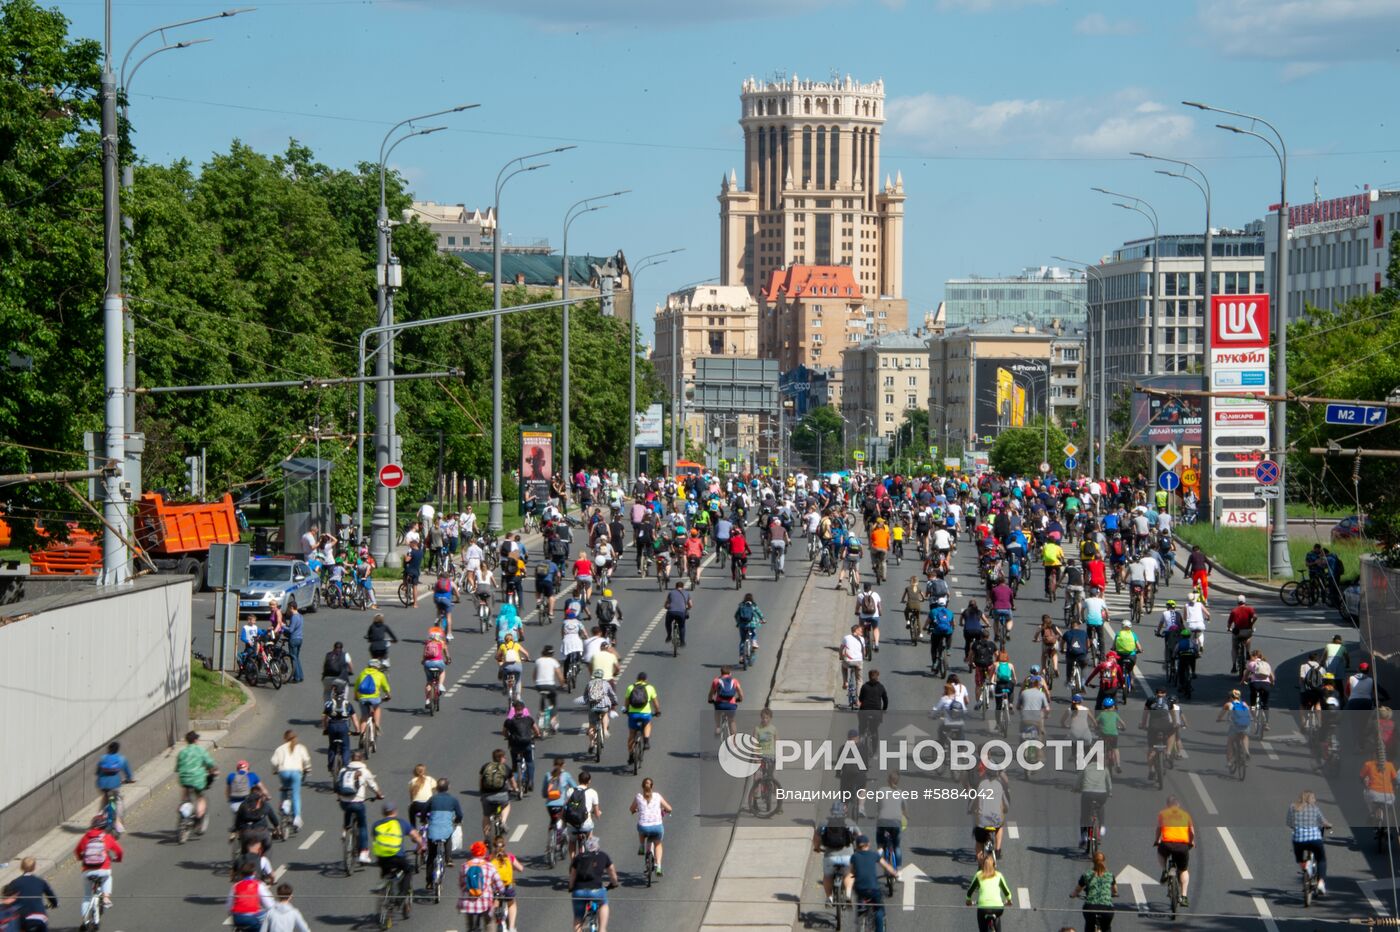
x: 250, y: 701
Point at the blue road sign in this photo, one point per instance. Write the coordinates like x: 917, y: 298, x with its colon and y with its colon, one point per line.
x: 1071, y: 462
x: 1367, y: 415
x: 1169, y: 481
x: 1266, y: 473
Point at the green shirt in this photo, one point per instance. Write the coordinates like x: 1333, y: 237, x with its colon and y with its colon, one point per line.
x: 649, y: 705
x: 1098, y: 888
x: 990, y: 892
x: 192, y: 765
x: 1108, y: 722
x: 767, y: 736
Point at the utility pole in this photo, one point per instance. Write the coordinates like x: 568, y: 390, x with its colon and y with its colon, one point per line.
x: 116, y: 558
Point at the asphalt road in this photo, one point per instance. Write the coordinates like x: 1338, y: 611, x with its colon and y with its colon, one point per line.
x: 1242, y: 872
x: 166, y: 886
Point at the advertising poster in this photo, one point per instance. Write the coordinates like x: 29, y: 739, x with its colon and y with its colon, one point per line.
x: 536, y: 462
x: 1010, y: 392
x: 1239, y: 429
x: 1162, y: 419
x: 649, y: 424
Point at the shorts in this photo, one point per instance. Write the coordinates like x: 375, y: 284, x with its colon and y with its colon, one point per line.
x: 872, y: 620
x: 1110, y: 742
x: 489, y: 801
x: 1311, y: 697
x: 1374, y: 798
x: 834, y: 863
x: 983, y: 833
x: 636, y: 721
x: 430, y: 665
x: 582, y: 897
x: 585, y: 580
x: 545, y: 589
x: 1177, y: 852
x: 507, y: 892
x: 1158, y: 737
x: 443, y: 598
x: 652, y: 831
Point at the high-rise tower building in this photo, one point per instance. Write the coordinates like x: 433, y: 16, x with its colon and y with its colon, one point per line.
x: 812, y: 193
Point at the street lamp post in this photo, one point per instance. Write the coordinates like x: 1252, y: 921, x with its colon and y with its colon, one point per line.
x: 645, y: 262
x: 381, y: 537
x: 1154, y: 312
x: 495, y: 517
x: 1280, y: 562
x: 1204, y: 187
x: 1098, y: 421
x: 576, y: 210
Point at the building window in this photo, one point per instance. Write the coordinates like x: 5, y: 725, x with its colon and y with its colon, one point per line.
x: 913, y: 381
x: 452, y: 241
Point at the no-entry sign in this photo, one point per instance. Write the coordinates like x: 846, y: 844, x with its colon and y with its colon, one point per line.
x: 391, y: 476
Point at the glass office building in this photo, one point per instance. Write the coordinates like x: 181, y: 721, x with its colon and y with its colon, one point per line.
x: 1048, y: 298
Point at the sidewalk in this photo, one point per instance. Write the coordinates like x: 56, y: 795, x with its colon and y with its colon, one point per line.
x: 760, y: 881
x: 56, y: 847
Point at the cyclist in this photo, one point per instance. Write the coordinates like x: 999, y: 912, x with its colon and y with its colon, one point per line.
x: 1169, y: 627
x: 1137, y: 584
x: 549, y: 678
x: 506, y: 865
x: 694, y: 549
x: 851, y: 550
x: 650, y: 808
x: 546, y: 584
x: 1096, y: 616
x: 1259, y: 676
x: 1110, y: 677
x: 436, y: 657
x: 335, y: 666
x: 873, y: 701
x: 834, y: 839
x: 1237, y: 711
x: 1049, y: 636
x: 601, y: 699
x: 868, y: 612
x: 852, y: 657
x: 643, y: 704
x: 913, y: 601
x: 583, y: 579
x: 990, y: 892
x: 1001, y: 599
x: 1127, y: 646
x: 1176, y: 836
x: 984, y: 654
x: 1157, y: 722
x: 510, y: 660
x: 1307, y: 823
x: 113, y: 770
x: 1109, y: 722
x: 591, y: 874
x: 1098, y: 887
x: 989, y: 806
x: 479, y: 883
x: 677, y: 606
x: 195, y: 770
x: 96, y: 851
x: 747, y: 619
x: 778, y: 539
x: 389, y: 837
x: 879, y: 547
x: 496, y: 780
x: 1240, y: 624
x: 239, y: 784
x: 1076, y: 642
x: 1005, y: 682
x: 974, y: 628
x: 1095, y: 787
x: 380, y: 636
x: 520, y: 732
x: 1052, y: 560
x: 867, y: 867
x: 555, y: 789
x: 355, y: 786
x: 940, y: 632
x: 444, y: 813
x: 338, y: 722
x: 443, y: 591
x: 372, y: 692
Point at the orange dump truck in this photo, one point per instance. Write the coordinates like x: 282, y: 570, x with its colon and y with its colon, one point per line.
x: 175, y: 537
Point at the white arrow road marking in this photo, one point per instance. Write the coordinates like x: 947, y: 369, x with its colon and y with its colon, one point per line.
x: 311, y: 840
x: 1235, y: 855
x: 1130, y: 876
x: 277, y: 874
x: 1371, y: 890
x: 909, y: 877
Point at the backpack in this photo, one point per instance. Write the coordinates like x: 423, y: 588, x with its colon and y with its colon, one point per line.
x: 983, y: 652
x: 937, y: 589
x: 597, y: 692
x: 836, y: 836
x: 474, y: 881
x: 853, y: 550
x: 558, y: 550
x: 943, y: 621
x: 240, y: 786
x: 95, y: 851
x: 726, y: 688
x: 367, y: 685
x: 1186, y: 647
x: 542, y: 570
x: 746, y: 616
x: 432, y: 650
x: 338, y: 709
x: 443, y: 586
x: 347, y: 782
x: 867, y: 603
x: 576, y: 807
x: 637, y: 696
x: 1313, y: 678
x: 1118, y: 549
x: 520, y: 730
x: 334, y: 665
x: 1239, y: 715
x: 493, y: 776
x: 607, y: 609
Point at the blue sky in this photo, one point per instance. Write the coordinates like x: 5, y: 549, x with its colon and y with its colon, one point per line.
x: 1002, y: 113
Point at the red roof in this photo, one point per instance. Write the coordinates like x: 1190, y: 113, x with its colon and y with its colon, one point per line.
x: 813, y: 281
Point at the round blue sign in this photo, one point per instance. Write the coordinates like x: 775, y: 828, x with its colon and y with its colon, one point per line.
x: 1071, y: 462
x: 1169, y: 481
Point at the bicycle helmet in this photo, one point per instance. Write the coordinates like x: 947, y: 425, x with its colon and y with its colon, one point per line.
x: 1035, y: 668
x: 99, y: 820
x: 1108, y: 702
x: 1127, y: 623
x: 607, y: 593
x: 1111, y: 655
x: 1171, y: 603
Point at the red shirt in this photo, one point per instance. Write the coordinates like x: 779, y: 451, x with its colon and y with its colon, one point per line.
x: 583, y: 567
x: 695, y: 547
x: 1241, y: 616
x: 97, y: 843
x: 1109, y: 674
x: 738, y: 546
x: 1096, y: 573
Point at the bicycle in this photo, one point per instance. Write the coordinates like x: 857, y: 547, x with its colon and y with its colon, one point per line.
x: 1157, y: 767
x: 556, y: 847
x: 1173, y: 886
x: 763, y: 794
x: 93, y: 906
x: 406, y: 593
x: 1235, y: 758
x: 984, y: 697
x: 498, y: 826
x: 890, y: 852
x: 1003, y: 712
x: 1093, y: 837
x: 839, y: 901
x: 1309, y: 876
x: 349, y: 849
x: 746, y: 649
x: 1261, y: 719
x: 812, y: 547
x: 436, y: 870
x: 483, y: 611
x: 111, y: 807
x: 1075, y: 677
x: 369, y: 735
x: 940, y: 661
x: 394, y: 897
x: 865, y: 909
x: 738, y: 569
x: 595, y: 741
x: 913, y: 622
x: 649, y: 858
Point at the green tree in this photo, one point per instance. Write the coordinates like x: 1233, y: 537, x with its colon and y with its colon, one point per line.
x: 1019, y: 450
x: 816, y: 439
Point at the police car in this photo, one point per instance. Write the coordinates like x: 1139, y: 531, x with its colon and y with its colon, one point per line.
x: 277, y: 580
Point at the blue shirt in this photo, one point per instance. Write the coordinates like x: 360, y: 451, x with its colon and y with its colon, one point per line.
x: 33, y: 892
x: 111, y: 770
x: 444, y: 812
x: 564, y: 784
x: 1076, y: 641
x: 295, y: 626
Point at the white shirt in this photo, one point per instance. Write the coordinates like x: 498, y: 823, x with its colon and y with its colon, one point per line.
x: 1136, y: 572
x: 468, y: 522
x: 874, y: 597
x: 961, y: 694
x: 1094, y: 607
x: 572, y: 640
x: 425, y: 514
x: 955, y: 510
x: 474, y: 556
x: 308, y: 544
x: 1149, y: 568
x: 590, y: 802
x: 546, y: 671
x: 590, y: 647
x: 1140, y: 525
x: 449, y: 527
x: 812, y: 521
x: 942, y: 540
x: 1164, y: 521
x: 853, y: 649
x: 1195, y: 616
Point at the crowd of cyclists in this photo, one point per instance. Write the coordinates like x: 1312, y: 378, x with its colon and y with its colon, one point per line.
x: 1081, y: 538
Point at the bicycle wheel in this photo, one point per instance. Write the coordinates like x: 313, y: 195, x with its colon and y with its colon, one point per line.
x: 348, y: 854
x: 405, y: 593
x: 274, y: 674
x: 386, y: 908
x: 1173, y: 891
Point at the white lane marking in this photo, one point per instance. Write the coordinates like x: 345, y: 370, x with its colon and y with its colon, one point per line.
x: 651, y: 626
x: 1268, y: 749
x: 1234, y: 850
x: 277, y: 874
x: 1023, y: 898
x: 1370, y: 889
x: 408, y: 735
x: 519, y: 833
x: 1013, y: 831
x: 1200, y: 786
x: 311, y: 840
x: 1263, y: 907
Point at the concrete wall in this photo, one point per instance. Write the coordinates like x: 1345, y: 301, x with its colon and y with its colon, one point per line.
x: 104, y: 666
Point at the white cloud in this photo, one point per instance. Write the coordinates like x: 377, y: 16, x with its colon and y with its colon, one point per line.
x: 1309, y: 31
x: 935, y: 124
x: 1096, y: 24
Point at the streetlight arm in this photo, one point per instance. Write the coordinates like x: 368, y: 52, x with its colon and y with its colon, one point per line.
x: 384, y: 156
x: 533, y: 155
x: 187, y: 22
x: 128, y: 78
x: 1131, y: 197
x: 1280, y: 155
x: 425, y: 116
x: 1244, y: 116
x: 568, y: 214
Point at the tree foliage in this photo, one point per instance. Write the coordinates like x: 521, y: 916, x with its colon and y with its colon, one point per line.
x: 1019, y: 451
x: 816, y: 440
x: 251, y: 267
